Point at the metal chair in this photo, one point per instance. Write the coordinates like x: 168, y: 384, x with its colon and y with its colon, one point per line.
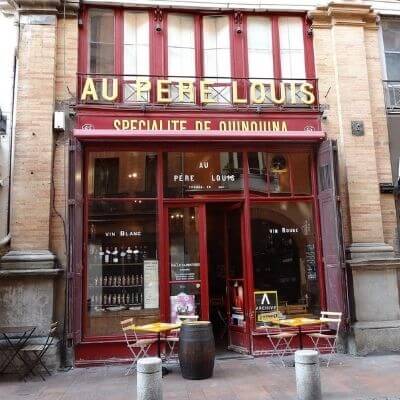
x: 138, y: 347
x: 329, y: 339
x: 38, y: 351
x: 280, y: 341
x: 171, y: 341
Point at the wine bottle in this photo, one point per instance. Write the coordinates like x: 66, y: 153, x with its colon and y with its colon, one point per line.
x: 101, y: 255
x: 129, y: 255
x: 115, y: 255
x: 122, y: 256
x: 107, y: 256
x: 136, y: 255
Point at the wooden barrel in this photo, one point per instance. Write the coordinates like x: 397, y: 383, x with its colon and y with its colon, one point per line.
x: 196, y: 350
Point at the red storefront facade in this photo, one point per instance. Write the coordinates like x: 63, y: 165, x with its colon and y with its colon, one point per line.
x: 195, y: 194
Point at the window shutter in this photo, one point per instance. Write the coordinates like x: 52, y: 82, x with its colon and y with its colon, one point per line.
x: 331, y: 228
x: 76, y: 238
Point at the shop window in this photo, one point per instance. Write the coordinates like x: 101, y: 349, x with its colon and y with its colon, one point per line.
x: 217, y: 56
x: 279, y: 174
x: 189, y: 174
x: 122, y: 265
x: 122, y: 174
x: 300, y: 168
x: 284, y: 258
x: 101, y: 41
x: 136, y: 53
x: 181, y: 54
x: 391, y: 40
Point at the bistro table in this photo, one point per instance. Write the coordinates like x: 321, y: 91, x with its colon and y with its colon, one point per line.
x: 297, y: 323
x: 158, y: 328
x: 20, y: 335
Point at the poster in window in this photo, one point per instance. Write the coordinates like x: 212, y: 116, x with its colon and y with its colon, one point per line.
x: 150, y: 282
x: 182, y: 304
x: 310, y: 262
x: 266, y: 306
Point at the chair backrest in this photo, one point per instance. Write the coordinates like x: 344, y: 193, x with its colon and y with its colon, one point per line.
x: 128, y: 327
x: 50, y: 336
x: 332, y: 318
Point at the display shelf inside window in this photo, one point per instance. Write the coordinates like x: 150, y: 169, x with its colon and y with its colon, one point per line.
x: 116, y: 270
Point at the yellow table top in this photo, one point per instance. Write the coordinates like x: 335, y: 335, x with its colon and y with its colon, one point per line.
x: 157, y: 327
x: 295, y: 322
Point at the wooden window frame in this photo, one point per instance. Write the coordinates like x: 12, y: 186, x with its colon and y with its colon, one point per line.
x: 158, y: 42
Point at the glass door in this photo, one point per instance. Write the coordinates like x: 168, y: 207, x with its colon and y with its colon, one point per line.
x: 236, y: 287
x: 187, y: 261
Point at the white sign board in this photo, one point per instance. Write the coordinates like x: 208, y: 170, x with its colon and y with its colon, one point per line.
x: 150, y: 281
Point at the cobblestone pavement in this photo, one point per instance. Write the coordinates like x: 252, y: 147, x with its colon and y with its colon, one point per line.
x: 352, y: 378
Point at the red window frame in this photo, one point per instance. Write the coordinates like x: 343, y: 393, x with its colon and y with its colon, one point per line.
x: 246, y: 198
x: 158, y: 42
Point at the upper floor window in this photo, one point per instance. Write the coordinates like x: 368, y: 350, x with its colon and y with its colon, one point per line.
x: 136, y: 43
x: 181, y: 45
x: 291, y: 48
x: 101, y: 41
x: 391, y: 40
x: 259, y: 45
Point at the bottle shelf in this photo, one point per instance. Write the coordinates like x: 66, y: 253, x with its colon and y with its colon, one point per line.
x: 138, y: 264
x: 115, y: 286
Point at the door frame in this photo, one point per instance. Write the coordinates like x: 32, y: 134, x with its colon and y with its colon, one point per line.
x: 203, y: 258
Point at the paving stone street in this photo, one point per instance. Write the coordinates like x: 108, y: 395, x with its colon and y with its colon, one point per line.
x: 348, y: 378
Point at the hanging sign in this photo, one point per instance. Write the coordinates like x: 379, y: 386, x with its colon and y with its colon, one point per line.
x: 150, y: 283
x: 266, y: 306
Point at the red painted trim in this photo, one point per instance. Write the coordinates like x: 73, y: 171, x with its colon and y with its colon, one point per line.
x: 276, y: 47
x: 317, y: 232
x: 205, y: 304
x: 198, y: 136
x: 309, y: 59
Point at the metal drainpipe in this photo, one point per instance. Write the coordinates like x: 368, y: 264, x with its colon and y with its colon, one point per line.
x: 7, y: 238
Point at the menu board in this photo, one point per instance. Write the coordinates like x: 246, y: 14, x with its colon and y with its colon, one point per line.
x: 185, y: 271
x: 266, y: 306
x: 310, y: 262
x: 150, y: 283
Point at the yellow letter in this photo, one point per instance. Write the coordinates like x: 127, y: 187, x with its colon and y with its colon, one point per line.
x: 205, y: 92
x: 293, y: 92
x: 117, y: 124
x: 89, y: 90
x: 274, y: 99
x: 104, y: 89
x: 236, y: 99
x: 186, y: 87
x: 257, y: 86
x: 307, y: 89
x: 162, y: 90
x: 142, y: 86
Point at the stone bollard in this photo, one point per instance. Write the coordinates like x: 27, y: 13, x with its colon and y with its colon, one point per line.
x: 149, y: 379
x: 308, y: 380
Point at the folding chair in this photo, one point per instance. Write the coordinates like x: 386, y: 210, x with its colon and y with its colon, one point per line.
x: 38, y: 351
x: 280, y: 341
x: 171, y: 340
x: 329, y: 339
x: 138, y: 347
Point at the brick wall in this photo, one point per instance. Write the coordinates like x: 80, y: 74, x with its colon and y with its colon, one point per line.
x: 33, y: 137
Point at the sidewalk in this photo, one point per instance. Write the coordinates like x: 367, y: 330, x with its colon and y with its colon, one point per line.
x: 348, y: 378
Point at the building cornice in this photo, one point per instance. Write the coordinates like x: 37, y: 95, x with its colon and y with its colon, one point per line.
x: 69, y: 8
x: 350, y: 13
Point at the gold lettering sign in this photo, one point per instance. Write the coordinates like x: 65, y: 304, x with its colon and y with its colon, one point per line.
x: 211, y: 92
x: 200, y: 125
